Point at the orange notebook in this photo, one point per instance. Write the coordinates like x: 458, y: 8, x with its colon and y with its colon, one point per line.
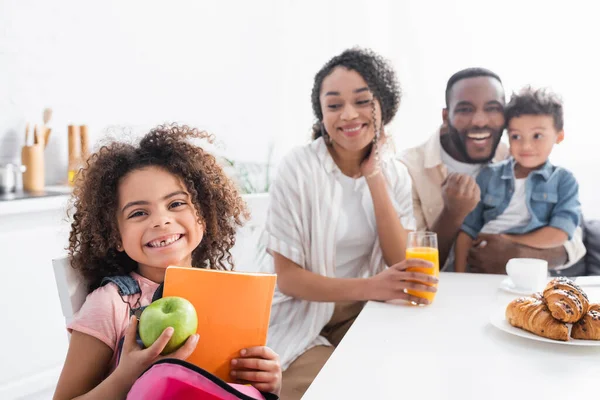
x: 233, y: 312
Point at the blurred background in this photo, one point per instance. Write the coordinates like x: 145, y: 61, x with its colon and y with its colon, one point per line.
x: 244, y: 70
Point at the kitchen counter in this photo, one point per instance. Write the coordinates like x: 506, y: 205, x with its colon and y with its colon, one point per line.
x: 34, y: 230
x: 53, y: 198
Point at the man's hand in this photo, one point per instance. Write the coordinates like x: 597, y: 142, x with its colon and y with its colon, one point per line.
x: 490, y: 253
x: 461, y: 194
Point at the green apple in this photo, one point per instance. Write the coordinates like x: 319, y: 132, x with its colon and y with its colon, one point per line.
x: 175, y: 312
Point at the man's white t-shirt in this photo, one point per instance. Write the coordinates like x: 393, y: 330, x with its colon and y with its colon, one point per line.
x: 460, y: 167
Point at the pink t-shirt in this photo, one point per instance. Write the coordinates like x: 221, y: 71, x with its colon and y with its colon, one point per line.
x: 105, y: 315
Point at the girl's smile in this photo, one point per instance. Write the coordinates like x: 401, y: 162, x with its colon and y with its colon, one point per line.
x: 164, y: 241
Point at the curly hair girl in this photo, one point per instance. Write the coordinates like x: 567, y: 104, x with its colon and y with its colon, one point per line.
x: 94, y: 242
x: 138, y: 209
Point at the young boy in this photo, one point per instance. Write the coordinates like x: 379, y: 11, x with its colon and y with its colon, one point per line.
x: 525, y: 198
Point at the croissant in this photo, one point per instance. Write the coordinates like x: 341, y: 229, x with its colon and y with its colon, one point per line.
x: 588, y: 328
x: 566, y: 301
x: 532, y: 314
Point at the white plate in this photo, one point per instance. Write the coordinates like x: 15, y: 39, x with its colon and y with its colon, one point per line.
x: 508, y: 286
x: 498, y: 319
x: 588, y: 281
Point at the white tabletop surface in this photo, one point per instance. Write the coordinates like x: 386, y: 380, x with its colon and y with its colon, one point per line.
x: 449, y: 350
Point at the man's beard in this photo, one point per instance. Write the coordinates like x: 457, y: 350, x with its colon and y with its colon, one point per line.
x: 455, y: 137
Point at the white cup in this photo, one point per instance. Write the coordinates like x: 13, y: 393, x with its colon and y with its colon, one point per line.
x: 528, y: 273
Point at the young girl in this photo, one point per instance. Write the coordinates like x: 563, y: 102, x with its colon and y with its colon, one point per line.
x: 139, y: 209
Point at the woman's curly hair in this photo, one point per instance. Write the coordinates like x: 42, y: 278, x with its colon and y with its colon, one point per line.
x: 94, y: 236
x: 377, y: 73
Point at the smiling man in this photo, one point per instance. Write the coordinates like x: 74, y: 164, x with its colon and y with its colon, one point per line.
x: 444, y: 168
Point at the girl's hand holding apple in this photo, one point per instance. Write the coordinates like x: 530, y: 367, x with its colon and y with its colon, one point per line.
x: 135, y: 360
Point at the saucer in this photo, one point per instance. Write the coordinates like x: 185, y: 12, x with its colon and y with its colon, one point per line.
x: 508, y: 285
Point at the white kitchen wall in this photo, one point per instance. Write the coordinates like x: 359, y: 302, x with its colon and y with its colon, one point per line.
x: 244, y: 70
x: 137, y: 64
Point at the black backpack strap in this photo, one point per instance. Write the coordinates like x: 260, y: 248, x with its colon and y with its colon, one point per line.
x: 156, y: 296
x: 125, y: 283
x: 158, y: 293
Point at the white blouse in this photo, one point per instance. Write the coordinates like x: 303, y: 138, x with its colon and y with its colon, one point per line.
x: 355, y: 235
x: 302, y: 220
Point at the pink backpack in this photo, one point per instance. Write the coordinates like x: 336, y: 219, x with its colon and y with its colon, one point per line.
x: 176, y: 379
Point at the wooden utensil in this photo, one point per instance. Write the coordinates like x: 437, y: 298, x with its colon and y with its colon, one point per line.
x: 47, y: 136
x: 27, y: 134
x: 46, y: 118
x: 39, y: 136
x: 74, y: 153
x: 84, y: 140
x: 47, y: 115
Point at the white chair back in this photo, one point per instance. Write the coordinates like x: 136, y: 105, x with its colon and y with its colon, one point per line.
x: 72, y: 288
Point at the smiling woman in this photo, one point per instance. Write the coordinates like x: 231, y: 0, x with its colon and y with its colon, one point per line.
x: 339, y: 214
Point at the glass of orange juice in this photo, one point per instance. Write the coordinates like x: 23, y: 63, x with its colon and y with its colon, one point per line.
x: 424, y: 246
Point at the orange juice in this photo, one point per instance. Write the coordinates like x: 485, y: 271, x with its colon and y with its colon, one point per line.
x: 428, y: 254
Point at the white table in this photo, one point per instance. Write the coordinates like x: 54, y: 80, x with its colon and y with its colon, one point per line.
x: 449, y: 350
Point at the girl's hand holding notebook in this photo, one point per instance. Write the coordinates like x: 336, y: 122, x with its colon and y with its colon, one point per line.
x: 260, y: 366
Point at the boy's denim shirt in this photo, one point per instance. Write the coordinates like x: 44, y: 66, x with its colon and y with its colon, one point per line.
x: 551, y: 195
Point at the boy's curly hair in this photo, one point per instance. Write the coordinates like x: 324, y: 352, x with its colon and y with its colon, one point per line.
x: 377, y: 73
x: 530, y: 101
x: 94, y: 233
